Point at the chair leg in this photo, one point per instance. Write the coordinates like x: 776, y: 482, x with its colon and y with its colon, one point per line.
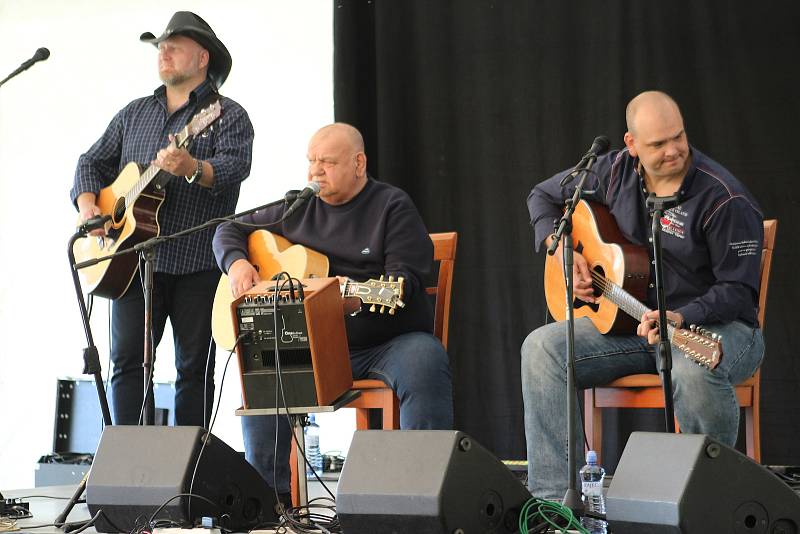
x: 295, y: 480
x: 752, y: 433
x: 391, y: 417
x: 362, y: 418
x: 593, y: 424
x: 588, y: 411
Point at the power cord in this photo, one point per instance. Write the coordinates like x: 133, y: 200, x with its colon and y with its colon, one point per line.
x: 300, y: 518
x: 547, y: 515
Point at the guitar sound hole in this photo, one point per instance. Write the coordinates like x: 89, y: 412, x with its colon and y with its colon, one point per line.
x: 597, y: 283
x: 119, y: 210
x: 598, y: 291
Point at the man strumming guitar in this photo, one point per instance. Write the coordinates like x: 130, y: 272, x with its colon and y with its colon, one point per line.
x: 203, y: 184
x: 712, y: 243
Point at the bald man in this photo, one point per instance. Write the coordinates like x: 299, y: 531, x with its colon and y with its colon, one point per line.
x: 712, y: 252
x: 366, y: 228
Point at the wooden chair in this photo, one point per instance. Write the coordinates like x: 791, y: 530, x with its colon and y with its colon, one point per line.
x: 645, y: 391
x: 374, y: 393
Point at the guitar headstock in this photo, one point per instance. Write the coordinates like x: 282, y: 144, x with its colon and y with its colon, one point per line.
x: 386, y: 293
x: 204, y: 118
x: 699, y: 345
x: 199, y: 123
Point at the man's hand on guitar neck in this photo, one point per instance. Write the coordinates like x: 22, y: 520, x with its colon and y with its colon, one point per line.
x: 242, y: 277
x: 581, y: 274
x: 648, y: 327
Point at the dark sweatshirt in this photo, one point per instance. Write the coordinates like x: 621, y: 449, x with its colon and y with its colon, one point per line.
x: 379, y: 232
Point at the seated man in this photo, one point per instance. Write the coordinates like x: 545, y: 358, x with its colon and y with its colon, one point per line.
x: 367, y: 229
x: 712, y: 251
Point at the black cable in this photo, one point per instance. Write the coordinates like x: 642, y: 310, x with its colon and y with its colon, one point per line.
x: 151, y: 371
x: 43, y: 497
x: 205, y: 381
x: 300, y: 524
x: 207, y: 435
x: 178, y: 496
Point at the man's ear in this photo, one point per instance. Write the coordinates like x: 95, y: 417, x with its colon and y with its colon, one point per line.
x: 361, y: 164
x: 205, y: 58
x: 628, y: 138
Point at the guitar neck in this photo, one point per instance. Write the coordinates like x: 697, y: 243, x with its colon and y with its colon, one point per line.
x: 627, y: 303
x: 181, y: 139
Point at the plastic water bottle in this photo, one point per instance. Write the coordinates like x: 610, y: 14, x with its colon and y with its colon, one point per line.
x: 592, y: 476
x: 312, y: 448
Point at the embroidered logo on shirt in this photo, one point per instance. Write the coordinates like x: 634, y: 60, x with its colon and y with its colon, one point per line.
x: 746, y: 248
x: 365, y: 251
x: 673, y: 222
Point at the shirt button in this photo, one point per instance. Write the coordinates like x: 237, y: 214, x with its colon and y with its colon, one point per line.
x: 653, y: 262
x: 651, y: 286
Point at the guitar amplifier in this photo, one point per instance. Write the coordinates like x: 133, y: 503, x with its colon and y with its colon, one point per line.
x: 313, y: 356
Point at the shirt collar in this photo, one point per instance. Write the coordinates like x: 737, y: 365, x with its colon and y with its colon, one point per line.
x: 688, y: 180
x: 200, y: 93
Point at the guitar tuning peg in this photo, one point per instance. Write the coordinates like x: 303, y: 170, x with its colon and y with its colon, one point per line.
x: 719, y: 338
x: 381, y: 278
x: 383, y: 308
x: 692, y: 327
x: 372, y: 308
x: 391, y: 311
x: 391, y: 278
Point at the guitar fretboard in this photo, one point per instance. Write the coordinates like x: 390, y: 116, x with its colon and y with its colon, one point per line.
x: 148, y: 175
x: 625, y: 301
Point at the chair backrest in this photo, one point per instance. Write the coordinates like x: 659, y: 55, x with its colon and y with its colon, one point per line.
x: 770, y: 230
x: 444, y: 252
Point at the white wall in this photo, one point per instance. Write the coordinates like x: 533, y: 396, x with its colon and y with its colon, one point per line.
x: 282, y: 74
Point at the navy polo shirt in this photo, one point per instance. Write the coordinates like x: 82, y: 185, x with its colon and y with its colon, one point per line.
x: 712, y: 240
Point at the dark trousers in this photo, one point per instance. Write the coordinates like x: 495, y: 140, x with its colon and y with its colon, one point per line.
x: 187, y: 301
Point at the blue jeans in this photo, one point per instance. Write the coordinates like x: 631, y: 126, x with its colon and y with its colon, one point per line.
x: 705, y: 400
x: 187, y: 301
x: 414, y: 365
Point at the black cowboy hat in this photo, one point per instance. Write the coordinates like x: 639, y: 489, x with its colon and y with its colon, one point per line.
x: 192, y: 26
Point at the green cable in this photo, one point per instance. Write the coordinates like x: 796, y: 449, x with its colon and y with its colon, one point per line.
x: 543, y: 512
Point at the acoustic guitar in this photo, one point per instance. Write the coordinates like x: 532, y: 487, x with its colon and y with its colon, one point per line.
x: 271, y: 254
x: 132, y: 201
x: 620, y: 273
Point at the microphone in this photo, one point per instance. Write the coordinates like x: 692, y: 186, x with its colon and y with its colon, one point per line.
x: 309, y: 191
x: 40, y: 55
x: 98, y: 221
x: 599, y: 146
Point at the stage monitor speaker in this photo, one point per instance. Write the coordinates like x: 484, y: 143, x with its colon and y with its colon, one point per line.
x: 691, y: 484
x: 426, y: 482
x: 138, y: 468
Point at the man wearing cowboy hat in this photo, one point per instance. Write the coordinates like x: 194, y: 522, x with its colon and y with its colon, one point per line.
x: 203, y: 184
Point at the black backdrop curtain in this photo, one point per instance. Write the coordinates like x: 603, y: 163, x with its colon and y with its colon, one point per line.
x: 467, y: 104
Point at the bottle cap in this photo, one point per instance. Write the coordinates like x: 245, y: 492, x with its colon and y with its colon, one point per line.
x: 591, y: 457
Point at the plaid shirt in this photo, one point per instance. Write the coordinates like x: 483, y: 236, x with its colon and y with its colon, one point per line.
x: 138, y: 132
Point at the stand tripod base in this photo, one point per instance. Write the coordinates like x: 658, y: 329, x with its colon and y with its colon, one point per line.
x: 572, y: 500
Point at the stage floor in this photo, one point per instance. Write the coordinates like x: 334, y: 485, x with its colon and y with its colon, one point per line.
x: 47, y: 502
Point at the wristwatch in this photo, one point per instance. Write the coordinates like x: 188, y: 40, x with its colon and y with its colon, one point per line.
x: 198, y: 172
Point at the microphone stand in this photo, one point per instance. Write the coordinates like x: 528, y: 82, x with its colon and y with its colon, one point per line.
x: 26, y: 65
x: 563, y: 233
x: 147, y: 251
x: 657, y: 206
x: 91, y: 364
